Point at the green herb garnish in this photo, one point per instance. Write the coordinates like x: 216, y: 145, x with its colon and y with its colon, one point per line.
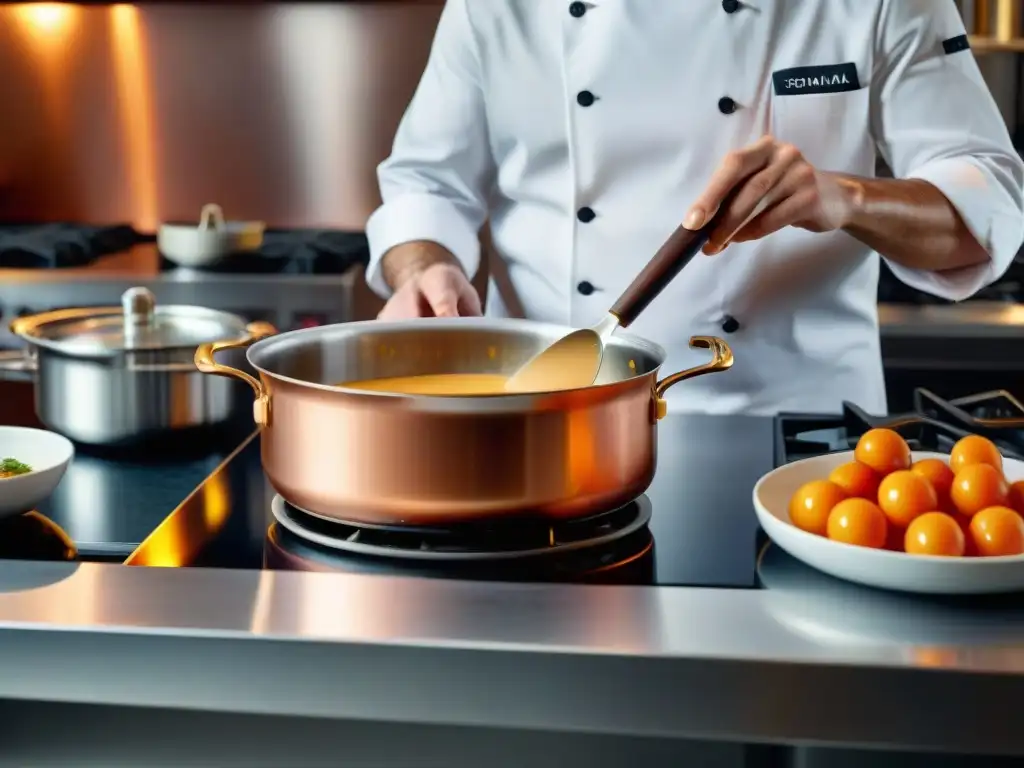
x: 9, y: 467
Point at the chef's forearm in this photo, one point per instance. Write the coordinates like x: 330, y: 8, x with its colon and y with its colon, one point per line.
x: 910, y: 222
x: 405, y: 260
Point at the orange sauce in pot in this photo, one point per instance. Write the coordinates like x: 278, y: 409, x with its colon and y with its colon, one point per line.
x: 442, y: 384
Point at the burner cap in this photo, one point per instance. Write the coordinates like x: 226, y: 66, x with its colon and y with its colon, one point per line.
x: 464, y: 543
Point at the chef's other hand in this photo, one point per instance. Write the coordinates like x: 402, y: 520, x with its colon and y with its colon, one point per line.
x: 774, y: 187
x: 427, y: 282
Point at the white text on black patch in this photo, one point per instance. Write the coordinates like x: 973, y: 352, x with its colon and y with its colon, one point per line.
x: 831, y: 78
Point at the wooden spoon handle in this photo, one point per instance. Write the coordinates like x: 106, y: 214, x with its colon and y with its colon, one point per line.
x: 678, y: 251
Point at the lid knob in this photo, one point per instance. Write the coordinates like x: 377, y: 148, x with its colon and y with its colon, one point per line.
x: 138, y: 306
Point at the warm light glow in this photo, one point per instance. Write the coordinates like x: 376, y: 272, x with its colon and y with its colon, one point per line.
x: 47, y: 31
x: 216, y: 504
x: 131, y: 68
x: 45, y: 19
x: 178, y: 539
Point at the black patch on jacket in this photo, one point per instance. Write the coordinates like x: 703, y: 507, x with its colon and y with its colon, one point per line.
x: 956, y: 44
x: 831, y: 78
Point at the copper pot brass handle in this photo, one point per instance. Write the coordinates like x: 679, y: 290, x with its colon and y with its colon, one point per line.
x: 721, y: 360
x: 206, y: 362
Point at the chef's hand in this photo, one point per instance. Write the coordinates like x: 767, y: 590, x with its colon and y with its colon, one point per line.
x: 427, y: 282
x: 774, y: 187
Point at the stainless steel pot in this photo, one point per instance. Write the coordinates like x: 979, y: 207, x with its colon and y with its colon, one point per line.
x: 116, y: 375
x: 382, y: 458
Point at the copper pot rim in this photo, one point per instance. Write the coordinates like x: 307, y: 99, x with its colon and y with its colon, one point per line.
x: 205, y: 361
x: 265, y: 345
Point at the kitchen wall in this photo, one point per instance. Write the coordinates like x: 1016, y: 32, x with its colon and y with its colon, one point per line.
x: 278, y: 111
x: 142, y: 114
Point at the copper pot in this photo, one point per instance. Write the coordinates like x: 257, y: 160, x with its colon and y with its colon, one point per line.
x: 394, y: 459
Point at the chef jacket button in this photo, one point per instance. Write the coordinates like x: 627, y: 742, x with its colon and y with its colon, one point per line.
x: 577, y: 9
x: 726, y: 105
x: 729, y: 6
x: 730, y: 324
x: 585, y: 288
x: 586, y: 214
x: 585, y: 98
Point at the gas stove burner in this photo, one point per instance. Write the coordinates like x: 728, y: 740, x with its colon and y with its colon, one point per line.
x: 513, y: 540
x: 935, y: 424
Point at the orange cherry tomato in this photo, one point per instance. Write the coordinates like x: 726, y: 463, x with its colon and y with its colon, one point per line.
x: 979, y: 486
x: 974, y: 449
x: 905, y: 495
x: 935, y: 533
x: 858, y: 480
x: 938, y: 473
x: 858, y: 522
x: 883, y: 450
x: 998, y: 531
x: 1016, y: 499
x: 810, y: 505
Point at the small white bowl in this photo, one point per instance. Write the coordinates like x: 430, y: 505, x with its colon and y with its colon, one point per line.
x: 879, y: 567
x: 46, y: 452
x: 210, y: 241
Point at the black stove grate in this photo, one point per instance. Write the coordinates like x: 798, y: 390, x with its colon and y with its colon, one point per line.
x: 300, y: 252
x: 935, y: 424
x: 62, y: 245
x: 517, y: 537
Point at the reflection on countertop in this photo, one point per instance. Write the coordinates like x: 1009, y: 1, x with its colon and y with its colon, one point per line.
x: 608, y: 659
x: 969, y: 319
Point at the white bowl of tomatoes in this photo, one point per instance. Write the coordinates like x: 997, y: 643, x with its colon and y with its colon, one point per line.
x: 883, y: 516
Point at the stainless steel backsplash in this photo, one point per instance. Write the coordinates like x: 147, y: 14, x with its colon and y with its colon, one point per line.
x: 142, y: 114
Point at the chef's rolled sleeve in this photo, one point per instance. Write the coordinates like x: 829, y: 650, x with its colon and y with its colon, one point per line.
x: 434, y: 185
x: 410, y: 217
x: 934, y: 119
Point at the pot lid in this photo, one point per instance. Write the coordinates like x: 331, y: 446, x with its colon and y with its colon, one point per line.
x: 137, y: 325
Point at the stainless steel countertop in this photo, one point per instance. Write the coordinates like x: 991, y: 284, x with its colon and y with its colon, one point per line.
x: 827, y: 665
x: 142, y: 263
x: 971, y: 319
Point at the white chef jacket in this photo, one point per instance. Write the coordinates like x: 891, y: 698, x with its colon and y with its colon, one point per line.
x: 584, y: 131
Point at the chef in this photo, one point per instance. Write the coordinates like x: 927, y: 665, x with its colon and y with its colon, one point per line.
x: 585, y: 132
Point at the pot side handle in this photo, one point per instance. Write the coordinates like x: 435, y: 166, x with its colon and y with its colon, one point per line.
x: 721, y: 360
x: 17, y: 365
x: 206, y: 362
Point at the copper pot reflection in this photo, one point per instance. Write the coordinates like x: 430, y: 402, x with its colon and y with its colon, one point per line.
x: 396, y: 459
